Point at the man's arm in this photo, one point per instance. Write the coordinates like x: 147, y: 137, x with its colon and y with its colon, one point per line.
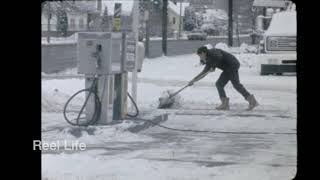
x: 201, y: 75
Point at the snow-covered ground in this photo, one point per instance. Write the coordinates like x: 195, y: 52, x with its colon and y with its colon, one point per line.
x: 260, y: 144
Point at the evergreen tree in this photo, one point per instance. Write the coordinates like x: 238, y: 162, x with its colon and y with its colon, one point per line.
x: 105, y: 20
x: 199, y: 19
x: 189, y: 19
x: 62, y: 21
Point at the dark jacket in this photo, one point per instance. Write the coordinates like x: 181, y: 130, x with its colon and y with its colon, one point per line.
x: 217, y: 58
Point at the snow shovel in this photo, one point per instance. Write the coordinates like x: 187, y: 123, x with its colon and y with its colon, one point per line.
x: 168, y: 100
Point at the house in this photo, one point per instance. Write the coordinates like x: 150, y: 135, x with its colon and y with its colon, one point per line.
x: 78, y: 15
x: 174, y: 16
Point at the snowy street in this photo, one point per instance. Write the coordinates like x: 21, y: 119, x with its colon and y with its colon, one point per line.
x: 242, y: 145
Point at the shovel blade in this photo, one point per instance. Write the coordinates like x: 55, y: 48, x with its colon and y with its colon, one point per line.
x: 165, y: 102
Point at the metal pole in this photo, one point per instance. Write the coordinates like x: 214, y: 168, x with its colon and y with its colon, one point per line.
x: 230, y: 25
x: 264, y: 19
x: 180, y: 20
x: 49, y: 27
x: 147, y: 37
x: 120, y: 84
x: 135, y: 27
x: 123, y: 53
x: 164, y: 26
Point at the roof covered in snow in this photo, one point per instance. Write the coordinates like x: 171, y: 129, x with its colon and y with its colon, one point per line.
x: 283, y: 23
x: 176, y: 7
x: 269, y: 3
x: 126, y: 6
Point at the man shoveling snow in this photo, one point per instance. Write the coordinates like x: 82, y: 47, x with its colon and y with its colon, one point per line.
x: 229, y: 64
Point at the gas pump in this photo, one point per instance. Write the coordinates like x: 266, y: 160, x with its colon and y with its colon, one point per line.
x: 105, y: 58
x: 100, y: 55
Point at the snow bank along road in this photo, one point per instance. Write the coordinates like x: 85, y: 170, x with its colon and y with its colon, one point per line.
x: 259, y: 144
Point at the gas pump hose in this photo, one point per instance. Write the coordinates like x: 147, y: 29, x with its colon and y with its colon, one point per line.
x: 97, y: 106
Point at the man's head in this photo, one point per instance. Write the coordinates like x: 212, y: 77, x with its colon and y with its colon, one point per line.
x: 202, y: 53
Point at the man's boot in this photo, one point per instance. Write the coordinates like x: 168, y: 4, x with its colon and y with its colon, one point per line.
x: 252, y: 102
x: 224, y: 104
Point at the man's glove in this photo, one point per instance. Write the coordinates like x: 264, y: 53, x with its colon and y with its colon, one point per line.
x: 191, y: 83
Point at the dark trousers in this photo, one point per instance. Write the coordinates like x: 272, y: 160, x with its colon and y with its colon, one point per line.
x: 233, y: 76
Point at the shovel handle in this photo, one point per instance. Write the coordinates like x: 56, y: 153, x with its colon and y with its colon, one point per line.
x: 171, y: 95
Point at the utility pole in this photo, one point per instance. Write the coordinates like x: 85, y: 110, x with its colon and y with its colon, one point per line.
x: 49, y: 26
x: 147, y: 22
x: 147, y: 38
x: 230, y: 24
x: 180, y: 20
x: 237, y: 28
x: 164, y: 26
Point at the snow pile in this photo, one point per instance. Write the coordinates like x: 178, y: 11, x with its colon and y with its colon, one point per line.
x: 54, y: 101
x: 245, y: 48
x: 50, y: 103
x: 209, y: 46
x: 55, y: 94
x: 222, y: 46
x: 248, y: 60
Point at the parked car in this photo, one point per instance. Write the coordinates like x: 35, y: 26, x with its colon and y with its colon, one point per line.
x: 197, y: 35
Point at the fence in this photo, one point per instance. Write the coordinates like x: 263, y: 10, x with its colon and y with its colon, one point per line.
x: 57, y: 57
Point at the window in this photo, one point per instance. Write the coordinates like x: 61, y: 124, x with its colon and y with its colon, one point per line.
x: 81, y: 24
x: 174, y: 20
x: 72, y: 24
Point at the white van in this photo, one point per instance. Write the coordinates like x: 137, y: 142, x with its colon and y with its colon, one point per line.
x: 279, y: 44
